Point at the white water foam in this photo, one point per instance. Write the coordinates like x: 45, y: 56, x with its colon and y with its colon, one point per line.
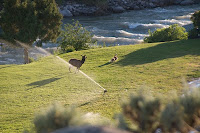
x: 132, y: 25
x: 116, y: 39
x: 159, y: 10
x: 174, y: 21
x: 125, y: 33
x: 187, y: 17
x: 82, y: 73
x: 150, y: 25
x: 155, y: 25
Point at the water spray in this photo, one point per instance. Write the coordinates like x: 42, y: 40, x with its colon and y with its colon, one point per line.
x: 83, y: 74
x: 47, y: 53
x: 93, y: 81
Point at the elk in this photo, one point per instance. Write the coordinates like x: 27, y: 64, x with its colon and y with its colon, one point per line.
x: 77, y: 63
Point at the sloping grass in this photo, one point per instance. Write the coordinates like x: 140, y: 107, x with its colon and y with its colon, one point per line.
x: 158, y: 68
x: 26, y: 89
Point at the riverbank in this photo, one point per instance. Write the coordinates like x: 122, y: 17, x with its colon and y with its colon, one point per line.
x: 71, y: 8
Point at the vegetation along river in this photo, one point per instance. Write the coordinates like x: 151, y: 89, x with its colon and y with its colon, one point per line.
x: 132, y: 26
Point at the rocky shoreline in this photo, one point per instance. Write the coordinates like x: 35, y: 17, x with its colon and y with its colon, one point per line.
x: 71, y: 8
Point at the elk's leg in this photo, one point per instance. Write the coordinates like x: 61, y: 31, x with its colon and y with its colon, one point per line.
x: 77, y: 70
x: 70, y: 68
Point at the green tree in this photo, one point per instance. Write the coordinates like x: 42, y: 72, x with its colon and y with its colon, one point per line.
x: 49, y: 20
x: 76, y: 36
x: 28, y: 20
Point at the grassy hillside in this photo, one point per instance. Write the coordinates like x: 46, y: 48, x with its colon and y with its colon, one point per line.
x: 158, y: 68
x: 26, y: 89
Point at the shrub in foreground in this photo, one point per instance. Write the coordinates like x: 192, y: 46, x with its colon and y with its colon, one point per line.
x: 57, y: 117
x: 182, y: 114
x: 144, y: 114
x: 191, y: 104
x: 173, y: 32
x: 143, y: 111
x: 171, y: 119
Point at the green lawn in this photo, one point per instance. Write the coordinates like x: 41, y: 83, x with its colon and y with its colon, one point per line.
x: 158, y: 68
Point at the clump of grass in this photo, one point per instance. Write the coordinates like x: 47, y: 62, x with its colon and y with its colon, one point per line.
x: 195, y: 74
x: 56, y: 117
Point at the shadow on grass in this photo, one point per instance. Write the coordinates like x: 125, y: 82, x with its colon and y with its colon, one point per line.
x: 162, y: 51
x: 42, y: 82
x: 90, y: 102
x: 6, y: 66
x: 105, y: 64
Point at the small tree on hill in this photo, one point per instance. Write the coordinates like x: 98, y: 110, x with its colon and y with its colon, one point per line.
x: 76, y: 36
x: 28, y: 20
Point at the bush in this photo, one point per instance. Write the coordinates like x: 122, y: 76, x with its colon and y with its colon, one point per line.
x: 57, y: 117
x: 193, y: 33
x: 173, y: 32
x: 172, y: 118
x: 76, y: 36
x: 143, y: 112
x: 196, y: 19
x: 182, y: 114
x: 69, y: 49
x: 191, y: 105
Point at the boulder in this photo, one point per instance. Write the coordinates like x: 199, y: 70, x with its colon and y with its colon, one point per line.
x: 143, y: 3
x: 136, y: 7
x: 66, y: 13
x: 177, y: 2
x: 154, y: 1
x: 133, y: 6
x: 86, y: 10
x: 151, y: 5
x: 117, y: 9
x: 78, y: 9
x: 187, y: 2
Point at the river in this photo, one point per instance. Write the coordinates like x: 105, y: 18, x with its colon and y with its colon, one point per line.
x: 116, y: 29
x: 132, y: 26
